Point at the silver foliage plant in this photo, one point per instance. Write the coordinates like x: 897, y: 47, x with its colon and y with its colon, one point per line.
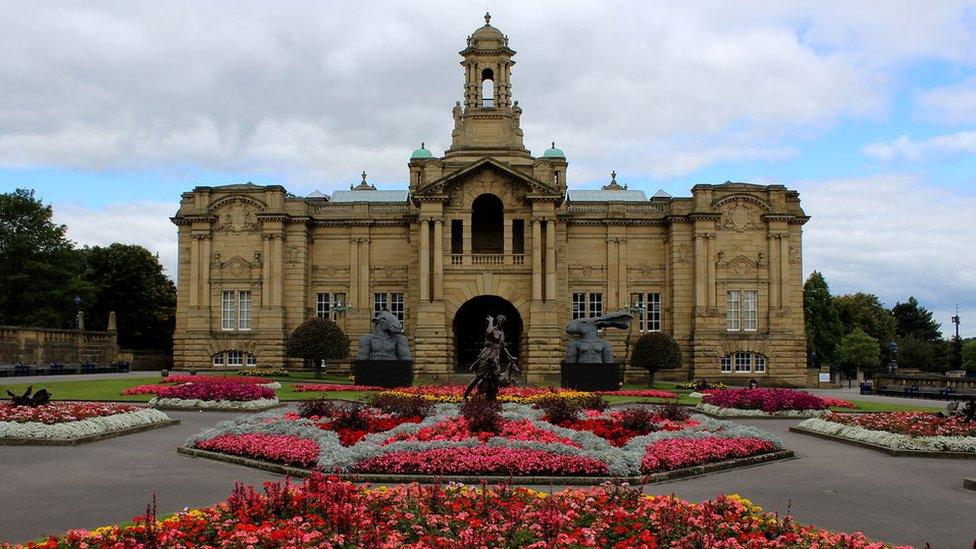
x: 334, y: 457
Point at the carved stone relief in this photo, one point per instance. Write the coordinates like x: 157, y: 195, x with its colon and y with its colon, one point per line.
x: 237, y: 216
x: 741, y: 215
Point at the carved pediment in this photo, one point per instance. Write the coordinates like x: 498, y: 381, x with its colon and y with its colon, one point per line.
x: 526, y: 184
x: 238, y: 268
x: 389, y: 273
x: 741, y: 214
x: 740, y: 266
x: 236, y: 214
x: 330, y: 272
x: 587, y: 272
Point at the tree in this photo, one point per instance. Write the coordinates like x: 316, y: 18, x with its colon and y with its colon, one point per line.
x: 318, y: 339
x: 865, y: 311
x: 920, y: 336
x: 912, y: 320
x: 823, y: 326
x: 916, y: 353
x: 129, y: 280
x: 656, y: 351
x: 857, y: 351
x: 40, y: 273
x: 969, y: 354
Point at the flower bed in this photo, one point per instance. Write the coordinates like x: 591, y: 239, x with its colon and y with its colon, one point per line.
x: 765, y: 403
x: 184, y: 378
x: 164, y: 387
x: 215, y: 396
x: 332, y: 387
x: 325, y: 512
x: 898, y: 431
x: 649, y: 393
x: 519, y: 440
x: 72, y: 421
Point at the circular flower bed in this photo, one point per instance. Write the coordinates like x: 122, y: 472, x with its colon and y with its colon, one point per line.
x: 328, y: 513
x: 332, y: 387
x: 215, y: 396
x: 761, y: 402
x: 909, y: 431
x: 487, y: 439
x: 453, y: 393
x: 63, y: 421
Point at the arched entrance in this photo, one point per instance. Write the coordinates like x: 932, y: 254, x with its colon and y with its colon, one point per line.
x: 469, y: 326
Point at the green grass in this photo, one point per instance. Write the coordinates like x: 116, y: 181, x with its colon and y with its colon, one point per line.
x: 89, y: 389
x: 866, y: 406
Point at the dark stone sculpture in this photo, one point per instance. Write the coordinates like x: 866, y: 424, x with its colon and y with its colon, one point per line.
x: 39, y: 398
x: 490, y: 374
x: 586, y: 345
x: 386, y: 341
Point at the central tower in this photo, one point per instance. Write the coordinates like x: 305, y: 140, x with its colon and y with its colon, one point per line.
x: 488, y: 123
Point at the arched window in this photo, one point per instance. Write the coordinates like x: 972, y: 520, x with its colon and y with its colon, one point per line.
x: 487, y: 225
x: 234, y: 359
x: 487, y: 89
x: 743, y: 362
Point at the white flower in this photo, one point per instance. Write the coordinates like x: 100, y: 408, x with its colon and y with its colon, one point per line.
x: 82, y: 428
x: 195, y: 404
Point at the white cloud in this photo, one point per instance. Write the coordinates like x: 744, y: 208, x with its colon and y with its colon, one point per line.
x: 954, y: 104
x: 909, y: 149
x: 319, y: 91
x: 143, y: 223
x: 892, y: 235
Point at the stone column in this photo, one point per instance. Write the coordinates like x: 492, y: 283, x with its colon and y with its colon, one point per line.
x: 438, y: 259
x: 612, y: 274
x: 710, y: 257
x: 424, y: 260
x: 353, y: 296
x: 265, y: 270
x: 279, y: 262
x: 206, y: 258
x: 466, y: 239
x: 364, y: 271
x: 536, y: 260
x: 622, y: 295
x: 195, y: 271
x: 701, y: 268
x: 784, y: 270
x: 507, y: 240
x: 550, y: 259
x: 773, y: 264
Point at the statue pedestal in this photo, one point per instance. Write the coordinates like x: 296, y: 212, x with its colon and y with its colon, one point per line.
x: 383, y: 373
x: 588, y: 376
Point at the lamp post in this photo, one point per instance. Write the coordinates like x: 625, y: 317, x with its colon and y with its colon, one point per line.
x: 79, y: 316
x: 956, y: 344
x: 893, y: 347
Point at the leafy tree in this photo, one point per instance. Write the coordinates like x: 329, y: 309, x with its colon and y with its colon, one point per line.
x: 920, y: 343
x: 40, y: 274
x: 969, y: 354
x: 865, y: 311
x: 823, y: 325
x: 129, y: 280
x: 858, y: 351
x: 318, y: 340
x: 917, y: 353
x: 912, y: 320
x: 656, y: 351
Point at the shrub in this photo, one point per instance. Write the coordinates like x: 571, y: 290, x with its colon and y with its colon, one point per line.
x: 402, y: 405
x: 316, y: 408
x: 264, y: 372
x: 673, y: 412
x: 560, y: 409
x: 640, y: 420
x: 656, y: 351
x: 318, y: 339
x: 767, y: 400
x: 354, y: 417
x: 482, y: 416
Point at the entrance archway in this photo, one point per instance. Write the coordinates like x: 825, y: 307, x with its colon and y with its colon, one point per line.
x: 469, y: 326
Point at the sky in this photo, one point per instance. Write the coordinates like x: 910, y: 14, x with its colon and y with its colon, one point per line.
x: 111, y: 110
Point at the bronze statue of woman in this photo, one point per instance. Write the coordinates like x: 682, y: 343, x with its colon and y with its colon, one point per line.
x: 489, y: 373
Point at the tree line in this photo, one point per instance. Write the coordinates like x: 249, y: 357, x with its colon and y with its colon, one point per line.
x: 45, y: 279
x: 854, y: 332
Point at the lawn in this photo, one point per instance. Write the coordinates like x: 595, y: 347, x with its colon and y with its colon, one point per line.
x: 111, y: 390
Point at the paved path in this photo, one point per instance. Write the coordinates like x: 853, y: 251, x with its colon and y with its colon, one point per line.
x: 854, y: 394
x: 833, y: 485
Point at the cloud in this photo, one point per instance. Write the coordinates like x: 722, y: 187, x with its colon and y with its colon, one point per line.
x: 143, y: 223
x: 909, y: 149
x: 893, y: 235
x: 320, y: 91
x: 954, y: 104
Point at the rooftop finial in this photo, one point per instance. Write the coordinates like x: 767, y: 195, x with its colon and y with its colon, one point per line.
x: 613, y: 185
x: 613, y: 176
x: 553, y: 145
x: 364, y: 176
x: 422, y: 145
x: 487, y: 19
x: 363, y: 185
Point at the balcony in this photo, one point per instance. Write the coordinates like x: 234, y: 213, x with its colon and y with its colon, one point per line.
x: 487, y: 102
x: 487, y: 260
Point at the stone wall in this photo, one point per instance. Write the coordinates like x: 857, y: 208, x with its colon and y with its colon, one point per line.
x: 43, y: 346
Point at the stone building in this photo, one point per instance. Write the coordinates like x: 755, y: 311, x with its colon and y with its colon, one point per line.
x: 488, y: 228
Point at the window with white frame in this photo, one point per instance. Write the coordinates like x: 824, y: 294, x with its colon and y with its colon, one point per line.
x: 328, y: 304
x: 742, y: 310
x: 389, y: 301
x: 235, y: 310
x: 649, y: 311
x: 234, y: 359
x: 587, y: 304
x: 743, y: 362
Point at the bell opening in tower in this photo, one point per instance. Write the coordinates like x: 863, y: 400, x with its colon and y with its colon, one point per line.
x: 487, y: 89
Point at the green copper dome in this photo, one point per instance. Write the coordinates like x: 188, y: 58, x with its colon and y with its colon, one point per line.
x: 553, y: 152
x: 422, y: 152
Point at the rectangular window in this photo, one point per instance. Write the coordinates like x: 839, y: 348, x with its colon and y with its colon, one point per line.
x: 234, y: 358
x: 218, y: 359
x: 596, y: 304
x: 380, y: 303
x: 227, y: 299
x: 579, y: 305
x: 396, y: 305
x: 457, y: 236
x: 759, y: 364
x: 654, y: 312
x: 743, y: 362
x: 726, y: 364
x: 732, y: 310
x: 251, y: 360
x: 518, y: 236
x: 323, y: 305
x: 750, y: 310
x: 244, y: 310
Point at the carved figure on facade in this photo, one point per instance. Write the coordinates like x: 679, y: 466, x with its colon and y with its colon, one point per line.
x: 457, y: 112
x: 386, y: 341
x: 295, y: 254
x: 682, y: 253
x: 237, y: 216
x: 741, y: 216
x: 586, y: 346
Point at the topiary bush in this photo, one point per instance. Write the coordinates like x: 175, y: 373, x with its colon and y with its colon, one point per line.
x: 318, y: 339
x: 656, y: 351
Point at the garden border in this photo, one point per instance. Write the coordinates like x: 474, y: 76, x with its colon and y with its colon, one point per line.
x: 652, y: 478
x: 87, y: 439
x: 206, y: 409
x: 741, y: 417
x: 894, y: 452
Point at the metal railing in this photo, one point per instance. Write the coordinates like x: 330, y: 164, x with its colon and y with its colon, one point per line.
x: 487, y: 102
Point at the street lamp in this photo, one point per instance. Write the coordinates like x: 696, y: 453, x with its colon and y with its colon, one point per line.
x: 956, y: 344
x: 893, y: 347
